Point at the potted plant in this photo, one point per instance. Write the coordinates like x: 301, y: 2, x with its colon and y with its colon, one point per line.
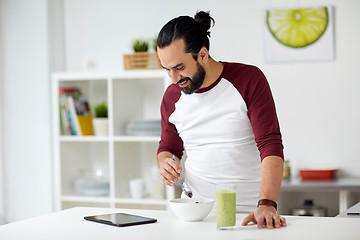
x: 141, y: 58
x: 100, y: 121
x: 140, y: 45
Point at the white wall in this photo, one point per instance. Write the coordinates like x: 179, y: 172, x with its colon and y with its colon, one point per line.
x: 317, y: 102
x: 2, y: 220
x: 26, y: 110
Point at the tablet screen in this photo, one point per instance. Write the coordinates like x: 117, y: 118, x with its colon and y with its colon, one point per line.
x: 120, y: 219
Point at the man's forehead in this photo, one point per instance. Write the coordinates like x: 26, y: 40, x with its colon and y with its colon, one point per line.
x: 174, y: 55
x: 171, y: 56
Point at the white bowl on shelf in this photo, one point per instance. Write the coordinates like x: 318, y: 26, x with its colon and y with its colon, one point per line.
x: 191, y: 209
x: 93, y: 186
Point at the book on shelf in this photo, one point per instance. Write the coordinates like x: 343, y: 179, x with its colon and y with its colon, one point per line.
x: 75, y: 116
x: 86, y: 124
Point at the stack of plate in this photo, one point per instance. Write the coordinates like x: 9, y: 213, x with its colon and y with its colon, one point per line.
x: 144, y: 127
x: 93, y: 186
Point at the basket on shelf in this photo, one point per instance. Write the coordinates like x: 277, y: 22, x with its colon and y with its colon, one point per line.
x: 141, y: 60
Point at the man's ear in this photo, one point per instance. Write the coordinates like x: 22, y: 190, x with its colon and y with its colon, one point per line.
x: 203, y: 55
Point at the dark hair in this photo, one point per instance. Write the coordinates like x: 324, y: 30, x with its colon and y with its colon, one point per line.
x: 194, y: 32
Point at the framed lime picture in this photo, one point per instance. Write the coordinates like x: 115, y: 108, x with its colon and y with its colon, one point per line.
x: 299, y: 34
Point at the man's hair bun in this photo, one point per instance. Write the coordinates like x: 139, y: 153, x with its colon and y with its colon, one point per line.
x: 205, y: 20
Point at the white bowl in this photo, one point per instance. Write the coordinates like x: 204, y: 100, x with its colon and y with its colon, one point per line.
x: 191, y: 209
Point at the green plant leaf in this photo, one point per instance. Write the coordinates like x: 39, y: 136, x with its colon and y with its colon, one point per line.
x: 101, y: 110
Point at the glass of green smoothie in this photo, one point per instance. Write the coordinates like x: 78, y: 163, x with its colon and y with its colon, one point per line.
x: 226, y: 206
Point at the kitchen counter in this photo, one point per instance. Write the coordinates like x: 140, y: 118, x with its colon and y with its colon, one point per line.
x: 326, y: 184
x: 343, y: 185
x: 69, y: 224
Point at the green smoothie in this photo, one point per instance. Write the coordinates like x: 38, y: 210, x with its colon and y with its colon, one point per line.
x: 226, y: 209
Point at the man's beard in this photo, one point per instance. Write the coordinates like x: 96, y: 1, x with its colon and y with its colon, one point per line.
x: 196, y: 81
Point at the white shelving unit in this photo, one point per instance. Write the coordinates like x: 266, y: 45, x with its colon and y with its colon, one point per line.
x: 130, y: 95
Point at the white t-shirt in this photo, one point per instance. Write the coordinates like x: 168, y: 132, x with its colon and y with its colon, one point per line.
x: 216, y: 126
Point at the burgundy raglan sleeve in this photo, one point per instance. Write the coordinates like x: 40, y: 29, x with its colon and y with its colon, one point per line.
x: 170, y: 140
x: 262, y: 115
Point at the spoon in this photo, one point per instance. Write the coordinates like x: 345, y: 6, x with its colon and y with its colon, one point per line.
x: 184, y: 187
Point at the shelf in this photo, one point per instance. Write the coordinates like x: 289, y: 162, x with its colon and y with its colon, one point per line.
x: 83, y: 139
x: 85, y: 199
x: 137, y: 139
x: 130, y: 95
x: 143, y: 201
x: 133, y: 74
x: 334, y: 184
x: 106, y: 138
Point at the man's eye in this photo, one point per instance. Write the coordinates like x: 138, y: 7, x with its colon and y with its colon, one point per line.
x: 180, y: 68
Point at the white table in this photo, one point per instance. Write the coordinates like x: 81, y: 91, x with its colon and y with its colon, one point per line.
x: 69, y: 224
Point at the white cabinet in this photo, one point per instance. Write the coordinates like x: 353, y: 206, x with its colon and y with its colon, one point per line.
x: 118, y: 157
x: 336, y: 194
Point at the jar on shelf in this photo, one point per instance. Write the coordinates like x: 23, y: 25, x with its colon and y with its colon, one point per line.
x: 287, y: 169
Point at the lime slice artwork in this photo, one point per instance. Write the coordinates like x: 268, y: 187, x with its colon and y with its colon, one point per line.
x: 297, y: 28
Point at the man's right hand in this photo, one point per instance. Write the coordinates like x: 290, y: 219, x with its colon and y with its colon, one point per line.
x: 169, y: 170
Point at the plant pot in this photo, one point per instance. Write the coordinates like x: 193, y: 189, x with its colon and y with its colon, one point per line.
x: 101, y: 126
x: 141, y: 60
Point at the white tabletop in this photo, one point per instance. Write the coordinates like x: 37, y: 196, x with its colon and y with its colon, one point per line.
x: 69, y: 224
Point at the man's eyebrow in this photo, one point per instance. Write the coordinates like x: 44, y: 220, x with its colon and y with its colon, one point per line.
x: 176, y: 66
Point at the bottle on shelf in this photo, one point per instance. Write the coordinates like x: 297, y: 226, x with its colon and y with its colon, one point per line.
x: 287, y: 169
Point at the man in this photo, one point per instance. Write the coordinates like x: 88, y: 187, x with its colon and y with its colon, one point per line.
x: 224, y: 116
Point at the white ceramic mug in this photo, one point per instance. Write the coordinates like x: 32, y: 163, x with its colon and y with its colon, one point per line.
x: 137, y: 188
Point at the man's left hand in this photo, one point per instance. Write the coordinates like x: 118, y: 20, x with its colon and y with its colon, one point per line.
x: 265, y: 215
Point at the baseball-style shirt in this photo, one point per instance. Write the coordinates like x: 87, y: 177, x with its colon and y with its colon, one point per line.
x: 226, y: 130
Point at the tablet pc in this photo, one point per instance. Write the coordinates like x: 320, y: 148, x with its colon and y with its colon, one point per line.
x: 120, y: 219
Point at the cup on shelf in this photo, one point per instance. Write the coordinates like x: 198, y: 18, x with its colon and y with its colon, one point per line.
x: 101, y: 126
x: 157, y: 189
x: 137, y: 188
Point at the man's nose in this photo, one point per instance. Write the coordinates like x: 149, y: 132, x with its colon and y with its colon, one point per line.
x: 175, y: 76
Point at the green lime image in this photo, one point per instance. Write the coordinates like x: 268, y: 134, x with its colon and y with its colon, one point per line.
x: 297, y: 28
